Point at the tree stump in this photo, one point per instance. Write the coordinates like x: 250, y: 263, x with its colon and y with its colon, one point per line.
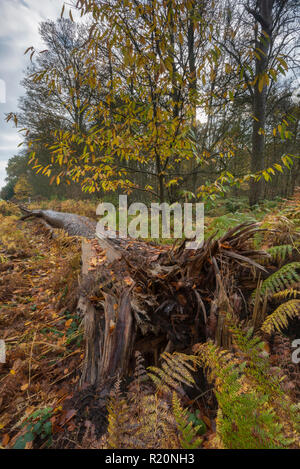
x: 138, y: 296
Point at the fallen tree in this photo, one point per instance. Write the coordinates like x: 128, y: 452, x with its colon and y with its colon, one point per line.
x: 135, y: 296
x: 74, y: 225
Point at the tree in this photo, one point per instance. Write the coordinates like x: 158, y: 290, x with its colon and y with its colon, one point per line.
x: 22, y: 188
x: 7, y: 192
x: 42, y: 111
x: 145, y: 116
x: 59, y: 101
x: 262, y: 43
x: 149, y: 67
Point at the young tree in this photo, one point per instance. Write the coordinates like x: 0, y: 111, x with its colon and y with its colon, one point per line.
x: 22, y: 188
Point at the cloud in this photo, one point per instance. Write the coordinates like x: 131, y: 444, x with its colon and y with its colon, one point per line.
x: 20, y: 21
x: 2, y: 172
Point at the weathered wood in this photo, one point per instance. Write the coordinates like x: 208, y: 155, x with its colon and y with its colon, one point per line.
x: 74, y: 225
x: 111, y: 251
x: 92, y: 326
x: 109, y: 328
x: 93, y: 332
x: 119, y: 337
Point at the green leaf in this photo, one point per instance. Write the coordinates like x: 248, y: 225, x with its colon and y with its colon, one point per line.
x: 22, y: 440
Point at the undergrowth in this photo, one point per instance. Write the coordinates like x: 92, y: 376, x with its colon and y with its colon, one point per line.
x: 245, y: 397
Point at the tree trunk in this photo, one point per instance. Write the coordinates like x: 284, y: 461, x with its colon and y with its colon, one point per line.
x: 263, y: 16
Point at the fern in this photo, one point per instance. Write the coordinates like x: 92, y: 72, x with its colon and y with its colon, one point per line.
x: 138, y: 418
x: 257, y: 369
x: 118, y: 417
x: 140, y: 373
x: 288, y: 293
x: 188, y: 432
x: 279, y: 319
x: 175, y: 370
x: 253, y: 410
x: 246, y: 419
x: 151, y: 424
x: 282, y: 279
x: 280, y: 253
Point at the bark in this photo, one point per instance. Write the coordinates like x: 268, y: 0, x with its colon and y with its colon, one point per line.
x: 109, y: 332
x: 263, y: 17
x: 192, y: 80
x: 74, y: 225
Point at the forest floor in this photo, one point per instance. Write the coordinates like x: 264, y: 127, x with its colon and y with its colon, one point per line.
x: 39, y: 405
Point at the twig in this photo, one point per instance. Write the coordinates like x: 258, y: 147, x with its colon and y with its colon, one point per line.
x: 30, y: 360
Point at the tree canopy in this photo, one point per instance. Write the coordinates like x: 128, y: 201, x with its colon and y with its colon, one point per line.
x: 170, y: 98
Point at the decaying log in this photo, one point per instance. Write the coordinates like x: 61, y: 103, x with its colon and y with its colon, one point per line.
x: 74, y: 225
x: 118, y: 338
x: 137, y: 296
x: 110, y: 326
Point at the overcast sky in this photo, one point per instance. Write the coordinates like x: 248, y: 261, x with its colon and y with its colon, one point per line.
x: 19, y: 25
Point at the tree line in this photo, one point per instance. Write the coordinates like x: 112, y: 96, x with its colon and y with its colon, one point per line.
x: 164, y: 99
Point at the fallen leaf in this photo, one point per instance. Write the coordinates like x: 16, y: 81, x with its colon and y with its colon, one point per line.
x: 182, y: 300
x: 207, y: 421
x: 68, y: 322
x: 5, y: 439
x: 112, y: 326
x: 128, y: 281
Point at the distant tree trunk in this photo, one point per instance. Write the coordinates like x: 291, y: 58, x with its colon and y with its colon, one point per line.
x: 192, y: 79
x: 192, y: 59
x: 263, y: 16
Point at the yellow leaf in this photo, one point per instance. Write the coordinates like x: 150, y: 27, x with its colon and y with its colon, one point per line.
x: 282, y: 62
x: 261, y: 83
x: 24, y: 387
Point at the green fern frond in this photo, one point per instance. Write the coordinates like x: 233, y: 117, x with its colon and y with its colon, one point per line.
x: 246, y: 418
x: 188, y: 432
x: 279, y: 319
x: 217, y: 363
x: 283, y: 278
x: 280, y: 253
